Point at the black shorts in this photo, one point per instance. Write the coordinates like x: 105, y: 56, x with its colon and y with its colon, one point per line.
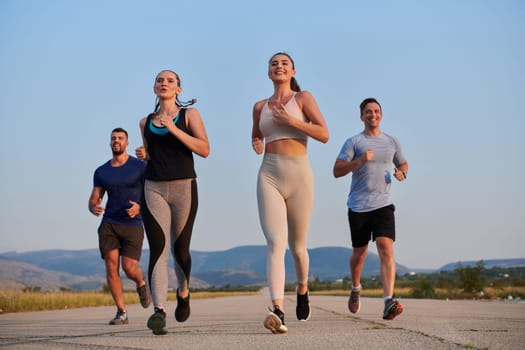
x: 126, y: 238
x: 371, y: 224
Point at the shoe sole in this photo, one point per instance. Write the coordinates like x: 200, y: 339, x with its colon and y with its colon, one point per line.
x: 157, y: 325
x: 394, y: 311
x: 274, y: 324
x: 118, y: 323
x: 305, y: 319
x: 161, y: 331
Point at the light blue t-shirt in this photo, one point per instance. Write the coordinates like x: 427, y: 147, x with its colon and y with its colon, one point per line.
x: 371, y: 182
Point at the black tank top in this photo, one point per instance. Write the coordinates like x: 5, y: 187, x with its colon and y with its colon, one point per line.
x: 169, y: 159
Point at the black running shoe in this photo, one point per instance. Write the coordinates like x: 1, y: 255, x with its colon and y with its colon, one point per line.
x: 120, y: 318
x: 274, y: 321
x: 302, y: 309
x: 392, y: 309
x: 157, y: 322
x: 182, y: 311
x: 144, y: 296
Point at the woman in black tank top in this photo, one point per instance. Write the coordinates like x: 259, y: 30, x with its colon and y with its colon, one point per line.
x: 171, y: 135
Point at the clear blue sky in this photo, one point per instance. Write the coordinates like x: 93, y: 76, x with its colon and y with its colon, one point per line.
x: 450, y: 76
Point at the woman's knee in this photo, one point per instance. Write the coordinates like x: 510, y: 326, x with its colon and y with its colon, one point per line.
x: 298, y: 253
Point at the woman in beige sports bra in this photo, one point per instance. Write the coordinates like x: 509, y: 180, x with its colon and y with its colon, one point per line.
x: 281, y: 127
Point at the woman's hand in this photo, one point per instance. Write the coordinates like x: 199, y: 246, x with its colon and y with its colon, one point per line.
x: 167, y: 122
x: 257, y: 145
x: 280, y: 114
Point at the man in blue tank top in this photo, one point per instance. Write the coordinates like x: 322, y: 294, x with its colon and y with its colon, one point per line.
x: 121, y: 232
x: 370, y: 155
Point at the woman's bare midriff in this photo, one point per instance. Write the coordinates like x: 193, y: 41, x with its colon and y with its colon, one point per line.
x: 287, y: 147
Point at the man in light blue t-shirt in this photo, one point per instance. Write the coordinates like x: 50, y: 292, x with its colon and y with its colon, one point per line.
x: 370, y: 155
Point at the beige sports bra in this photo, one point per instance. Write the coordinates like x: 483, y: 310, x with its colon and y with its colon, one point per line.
x: 272, y: 131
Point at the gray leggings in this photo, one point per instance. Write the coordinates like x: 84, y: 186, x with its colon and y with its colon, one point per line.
x: 285, y: 201
x: 169, y: 213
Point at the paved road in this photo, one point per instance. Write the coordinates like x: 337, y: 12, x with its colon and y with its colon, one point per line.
x: 236, y: 323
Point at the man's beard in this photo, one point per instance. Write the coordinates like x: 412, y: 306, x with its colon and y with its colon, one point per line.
x: 117, y: 152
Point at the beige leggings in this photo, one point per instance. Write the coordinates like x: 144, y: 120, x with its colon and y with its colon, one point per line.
x: 285, y: 201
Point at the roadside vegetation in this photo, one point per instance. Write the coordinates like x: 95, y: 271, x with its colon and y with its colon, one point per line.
x: 36, y: 300
x: 465, y: 282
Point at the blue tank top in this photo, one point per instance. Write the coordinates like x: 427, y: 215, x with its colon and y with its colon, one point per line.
x: 169, y: 158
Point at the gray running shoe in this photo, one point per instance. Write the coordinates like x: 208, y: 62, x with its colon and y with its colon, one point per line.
x: 353, y: 302
x: 157, y: 322
x: 120, y: 318
x: 392, y: 309
x: 144, y: 296
x: 274, y: 321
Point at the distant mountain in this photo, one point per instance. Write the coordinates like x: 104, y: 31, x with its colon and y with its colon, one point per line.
x: 77, y: 262
x: 245, y: 265
x: 488, y: 264
x: 18, y: 275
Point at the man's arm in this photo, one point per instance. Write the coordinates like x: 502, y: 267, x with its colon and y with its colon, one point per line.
x: 342, y: 167
x: 95, y: 201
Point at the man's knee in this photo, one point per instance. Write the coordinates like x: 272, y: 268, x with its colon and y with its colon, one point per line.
x: 359, y: 252
x: 111, y: 259
x: 130, y: 266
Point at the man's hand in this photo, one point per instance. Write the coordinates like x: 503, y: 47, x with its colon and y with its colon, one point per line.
x: 134, y: 210
x: 98, y: 208
x: 399, y: 175
x: 367, y: 156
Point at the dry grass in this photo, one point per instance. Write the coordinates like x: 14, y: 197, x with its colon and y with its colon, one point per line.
x: 17, y: 301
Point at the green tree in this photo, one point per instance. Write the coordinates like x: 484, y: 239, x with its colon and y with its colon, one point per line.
x: 423, y: 289
x: 470, y: 277
x: 31, y: 289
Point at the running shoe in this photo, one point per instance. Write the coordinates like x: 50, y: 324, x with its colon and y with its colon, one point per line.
x: 157, y: 322
x: 353, y: 302
x: 392, y: 308
x: 120, y: 318
x: 182, y: 311
x: 144, y: 296
x: 274, y: 321
x: 302, y: 310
